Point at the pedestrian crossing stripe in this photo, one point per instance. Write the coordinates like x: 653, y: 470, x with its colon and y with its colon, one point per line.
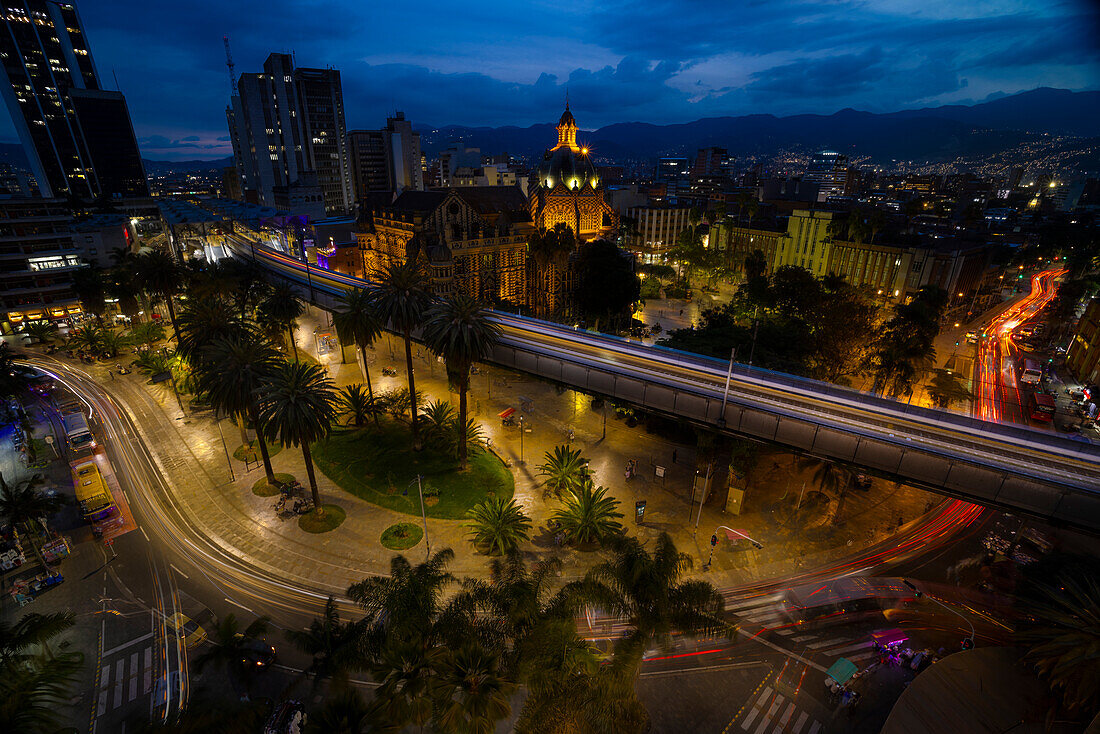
x: 773, y: 708
x: 124, y: 685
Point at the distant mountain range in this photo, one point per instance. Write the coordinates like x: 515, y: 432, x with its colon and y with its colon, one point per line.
x: 13, y: 153
x: 930, y: 134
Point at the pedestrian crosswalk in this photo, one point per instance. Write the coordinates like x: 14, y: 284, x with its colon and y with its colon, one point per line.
x: 766, y: 612
x: 121, y: 681
x: 772, y: 712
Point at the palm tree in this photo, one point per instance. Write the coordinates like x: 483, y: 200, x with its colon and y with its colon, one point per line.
x: 439, y: 427
x: 649, y: 591
x: 400, y: 295
x: 565, y: 471
x: 30, y: 631
x: 589, y: 515
x: 335, y: 646
x: 147, y: 333
x: 111, y: 343
x: 459, y: 330
x: 405, y: 604
x: 34, y: 693
x: 832, y: 477
x: 358, y: 323
x: 23, y: 504
x: 358, y: 406
x: 298, y: 409
x: 229, y: 642
x: 470, y: 693
x: 1062, y: 630
x: 160, y: 274
x: 283, y: 307
x: 498, y: 526
x: 947, y: 388
x: 345, y: 712
x: 405, y: 670
x: 201, y: 321
x: 43, y: 331
x: 87, y: 338
x: 235, y: 370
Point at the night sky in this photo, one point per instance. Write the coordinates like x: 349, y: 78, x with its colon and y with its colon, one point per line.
x: 502, y: 62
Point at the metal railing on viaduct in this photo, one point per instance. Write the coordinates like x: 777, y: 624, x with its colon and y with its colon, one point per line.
x: 1003, y: 465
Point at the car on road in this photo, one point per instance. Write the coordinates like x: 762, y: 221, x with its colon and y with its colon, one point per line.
x: 256, y: 654
x: 971, y: 337
x: 192, y: 633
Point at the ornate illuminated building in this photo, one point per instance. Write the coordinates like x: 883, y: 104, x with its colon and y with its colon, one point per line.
x: 474, y: 240
x: 568, y: 189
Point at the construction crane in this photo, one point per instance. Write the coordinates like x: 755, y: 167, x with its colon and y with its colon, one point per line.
x: 229, y: 65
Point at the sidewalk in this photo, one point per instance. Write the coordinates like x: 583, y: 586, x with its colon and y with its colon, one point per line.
x: 189, y: 452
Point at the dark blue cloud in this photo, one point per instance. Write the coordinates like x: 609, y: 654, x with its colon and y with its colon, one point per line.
x: 500, y: 62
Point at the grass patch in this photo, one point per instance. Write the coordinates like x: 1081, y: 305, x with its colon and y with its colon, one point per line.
x: 262, y: 489
x: 311, y: 522
x: 402, y: 536
x: 251, y: 451
x: 378, y: 465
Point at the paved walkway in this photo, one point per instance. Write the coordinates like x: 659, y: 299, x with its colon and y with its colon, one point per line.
x: 190, y: 452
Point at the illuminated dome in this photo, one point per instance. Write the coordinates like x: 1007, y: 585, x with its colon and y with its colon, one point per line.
x: 567, y: 162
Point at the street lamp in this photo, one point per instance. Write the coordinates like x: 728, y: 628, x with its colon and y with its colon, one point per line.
x: 920, y: 594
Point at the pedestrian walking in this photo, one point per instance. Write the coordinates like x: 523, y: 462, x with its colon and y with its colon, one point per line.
x: 111, y: 373
x: 674, y: 456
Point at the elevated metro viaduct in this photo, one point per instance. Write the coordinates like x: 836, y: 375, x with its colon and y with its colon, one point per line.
x: 1001, y: 465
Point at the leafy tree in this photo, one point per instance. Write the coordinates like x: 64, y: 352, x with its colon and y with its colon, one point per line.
x: 336, y: 647
x: 298, y: 408
x: 401, y: 295
x: 357, y: 322
x: 458, y: 329
x: 905, y: 349
x: 498, y: 526
x: 358, y: 406
x: 947, y: 388
x: 564, y: 471
x: 550, y: 249
x: 283, y: 307
x: 590, y: 515
x: 235, y: 370
x: 608, y: 285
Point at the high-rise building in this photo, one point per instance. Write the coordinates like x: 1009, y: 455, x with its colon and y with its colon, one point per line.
x: 829, y: 170
x: 38, y: 257
x: 712, y: 162
x: 322, y: 100
x: 386, y: 160
x: 286, y: 122
x: 77, y: 135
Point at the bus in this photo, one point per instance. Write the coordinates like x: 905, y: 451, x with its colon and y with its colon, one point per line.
x: 92, y: 493
x: 77, y: 433
x: 1040, y: 406
x: 1030, y: 372
x: 841, y: 599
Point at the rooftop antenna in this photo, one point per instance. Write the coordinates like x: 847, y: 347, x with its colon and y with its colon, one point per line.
x: 231, y: 67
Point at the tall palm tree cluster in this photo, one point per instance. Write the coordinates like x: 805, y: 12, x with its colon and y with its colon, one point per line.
x: 455, y: 661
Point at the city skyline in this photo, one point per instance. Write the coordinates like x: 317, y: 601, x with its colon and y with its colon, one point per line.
x: 513, y: 66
